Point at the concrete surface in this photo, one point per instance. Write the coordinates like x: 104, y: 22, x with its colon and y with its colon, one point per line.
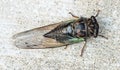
x: 20, y: 15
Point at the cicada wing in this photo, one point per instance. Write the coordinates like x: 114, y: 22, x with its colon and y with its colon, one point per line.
x: 34, y: 39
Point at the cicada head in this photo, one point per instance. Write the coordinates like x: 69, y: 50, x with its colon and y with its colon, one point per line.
x: 93, y: 26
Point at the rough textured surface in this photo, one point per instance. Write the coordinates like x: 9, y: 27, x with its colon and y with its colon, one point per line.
x: 21, y: 15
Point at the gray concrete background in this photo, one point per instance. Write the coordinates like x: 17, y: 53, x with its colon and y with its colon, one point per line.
x: 21, y: 15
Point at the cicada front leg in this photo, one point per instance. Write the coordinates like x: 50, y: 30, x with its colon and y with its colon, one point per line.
x: 73, y: 15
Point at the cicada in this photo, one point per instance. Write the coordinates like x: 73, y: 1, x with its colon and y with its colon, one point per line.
x: 59, y: 34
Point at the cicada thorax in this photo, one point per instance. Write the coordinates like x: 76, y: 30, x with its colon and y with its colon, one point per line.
x: 79, y: 28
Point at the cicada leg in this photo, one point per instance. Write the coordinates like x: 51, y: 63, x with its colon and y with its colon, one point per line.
x: 83, y: 48
x: 66, y: 47
x: 73, y: 15
x: 103, y: 36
